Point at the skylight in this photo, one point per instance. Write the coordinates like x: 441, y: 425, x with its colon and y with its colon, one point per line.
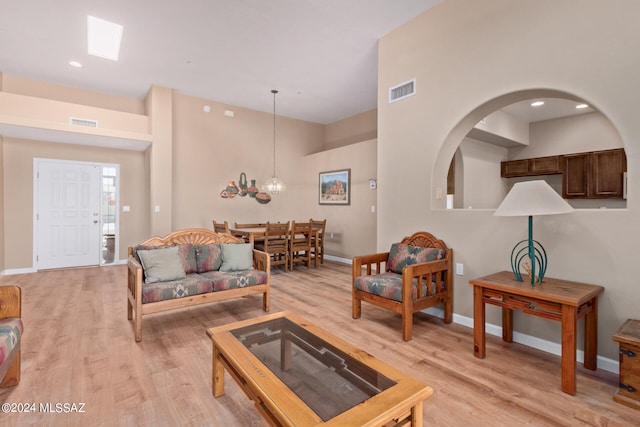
x: 104, y: 38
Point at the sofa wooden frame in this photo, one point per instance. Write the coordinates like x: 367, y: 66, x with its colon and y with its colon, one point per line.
x: 196, y: 236
x: 11, y: 306
x: 423, y: 271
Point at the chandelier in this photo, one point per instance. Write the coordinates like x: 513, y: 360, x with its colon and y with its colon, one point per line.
x: 274, y: 185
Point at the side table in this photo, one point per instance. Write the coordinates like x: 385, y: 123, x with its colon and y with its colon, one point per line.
x: 628, y: 338
x: 554, y: 299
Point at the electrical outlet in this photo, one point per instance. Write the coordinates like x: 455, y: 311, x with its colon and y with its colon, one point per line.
x: 459, y: 269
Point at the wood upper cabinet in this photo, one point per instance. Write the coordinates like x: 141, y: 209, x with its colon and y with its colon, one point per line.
x: 545, y: 165
x: 514, y: 168
x: 590, y: 175
x: 531, y: 167
x: 594, y: 175
x: 575, y: 179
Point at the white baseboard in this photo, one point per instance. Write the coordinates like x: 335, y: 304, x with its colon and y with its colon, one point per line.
x: 33, y: 270
x: 337, y: 259
x: 603, y: 363
x: 19, y: 271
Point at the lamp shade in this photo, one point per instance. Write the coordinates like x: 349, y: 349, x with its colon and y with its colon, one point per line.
x: 530, y: 198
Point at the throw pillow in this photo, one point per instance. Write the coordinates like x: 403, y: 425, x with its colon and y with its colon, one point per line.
x: 402, y: 255
x: 188, y: 258
x: 208, y: 257
x: 237, y: 256
x: 162, y: 265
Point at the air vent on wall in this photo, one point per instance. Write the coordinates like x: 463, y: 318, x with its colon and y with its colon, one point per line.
x: 403, y: 90
x: 83, y: 122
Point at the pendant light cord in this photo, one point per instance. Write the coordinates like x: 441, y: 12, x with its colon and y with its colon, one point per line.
x: 273, y: 91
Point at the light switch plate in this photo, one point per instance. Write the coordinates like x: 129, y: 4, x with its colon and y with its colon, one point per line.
x: 459, y: 269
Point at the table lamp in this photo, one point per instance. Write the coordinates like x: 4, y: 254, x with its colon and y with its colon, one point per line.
x: 531, y: 198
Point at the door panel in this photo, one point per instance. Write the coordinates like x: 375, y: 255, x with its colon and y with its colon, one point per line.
x: 68, y: 214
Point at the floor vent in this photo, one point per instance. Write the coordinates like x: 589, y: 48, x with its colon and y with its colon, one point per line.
x: 402, y: 91
x: 83, y: 122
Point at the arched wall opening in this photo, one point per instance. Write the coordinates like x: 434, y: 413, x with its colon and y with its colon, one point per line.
x: 476, y: 174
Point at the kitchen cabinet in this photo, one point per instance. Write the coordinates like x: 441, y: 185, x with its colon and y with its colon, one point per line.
x: 594, y: 175
x: 531, y: 167
x: 588, y: 175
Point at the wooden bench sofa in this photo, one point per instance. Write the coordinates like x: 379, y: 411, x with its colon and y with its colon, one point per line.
x: 190, y: 267
x: 11, y: 329
x: 414, y: 275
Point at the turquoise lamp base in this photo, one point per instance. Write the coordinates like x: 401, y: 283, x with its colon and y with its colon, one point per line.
x: 537, y: 256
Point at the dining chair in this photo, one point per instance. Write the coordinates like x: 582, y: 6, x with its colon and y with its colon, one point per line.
x: 300, y: 243
x: 276, y: 243
x: 317, y: 240
x: 220, y: 227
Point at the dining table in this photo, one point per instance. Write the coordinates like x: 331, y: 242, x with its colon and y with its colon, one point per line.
x: 253, y: 234
x: 250, y: 234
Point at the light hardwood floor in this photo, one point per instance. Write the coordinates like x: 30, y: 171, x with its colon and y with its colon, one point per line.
x: 78, y: 347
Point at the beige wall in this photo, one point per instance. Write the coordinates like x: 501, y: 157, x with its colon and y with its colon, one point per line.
x: 211, y: 149
x: 483, y: 187
x: 193, y: 156
x: 159, y: 106
x: 2, y: 202
x: 466, y: 56
x: 358, y: 128
x: 575, y: 134
x: 353, y: 227
x: 39, y: 89
x: 18, y: 193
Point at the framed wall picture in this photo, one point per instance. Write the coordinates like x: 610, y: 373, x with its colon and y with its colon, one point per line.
x: 335, y: 187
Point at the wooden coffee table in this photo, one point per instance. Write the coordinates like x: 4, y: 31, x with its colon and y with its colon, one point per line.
x: 298, y: 374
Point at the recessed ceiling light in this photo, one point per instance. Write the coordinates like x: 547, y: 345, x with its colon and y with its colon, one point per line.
x: 581, y: 106
x: 75, y: 64
x: 537, y: 103
x: 103, y: 38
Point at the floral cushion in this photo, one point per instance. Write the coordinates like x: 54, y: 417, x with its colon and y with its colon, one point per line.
x: 187, y: 255
x: 208, y: 257
x: 193, y: 284
x: 235, y: 279
x: 402, y: 255
x: 10, y: 332
x: 388, y: 285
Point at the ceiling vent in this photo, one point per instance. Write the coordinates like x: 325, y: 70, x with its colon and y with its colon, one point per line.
x: 83, y: 122
x: 402, y: 91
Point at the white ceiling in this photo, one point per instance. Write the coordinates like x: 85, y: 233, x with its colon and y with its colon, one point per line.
x: 553, y: 108
x: 320, y: 54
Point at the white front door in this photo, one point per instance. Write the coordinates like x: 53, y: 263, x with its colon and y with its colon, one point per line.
x: 68, y: 214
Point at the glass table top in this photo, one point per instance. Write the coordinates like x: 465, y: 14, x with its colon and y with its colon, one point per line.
x: 325, y: 378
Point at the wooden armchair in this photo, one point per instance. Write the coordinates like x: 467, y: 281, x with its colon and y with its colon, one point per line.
x: 300, y: 243
x: 276, y: 243
x: 317, y: 240
x: 414, y: 275
x: 11, y: 329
